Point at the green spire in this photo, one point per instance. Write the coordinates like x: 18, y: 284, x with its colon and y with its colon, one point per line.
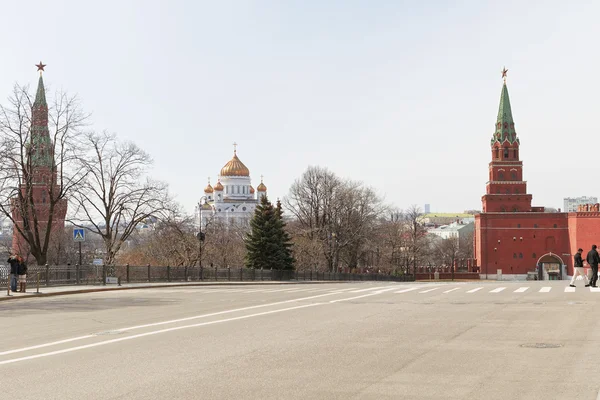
x: 40, y: 95
x: 505, y: 125
x: 41, y: 151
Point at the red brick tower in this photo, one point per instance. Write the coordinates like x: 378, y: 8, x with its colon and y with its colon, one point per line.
x: 505, y: 191
x: 39, y: 181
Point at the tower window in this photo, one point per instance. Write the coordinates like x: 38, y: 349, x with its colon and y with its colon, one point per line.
x: 500, y: 176
x: 514, y: 255
x: 515, y: 153
x: 505, y: 152
x: 533, y: 255
x: 496, y: 152
x: 513, y: 176
x: 520, y: 255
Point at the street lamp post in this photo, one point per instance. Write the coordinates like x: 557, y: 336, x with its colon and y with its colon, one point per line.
x: 200, y: 233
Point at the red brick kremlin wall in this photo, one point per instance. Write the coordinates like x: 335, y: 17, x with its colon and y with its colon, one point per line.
x: 514, y: 242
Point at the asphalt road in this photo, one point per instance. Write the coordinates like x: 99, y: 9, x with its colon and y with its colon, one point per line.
x: 530, y: 340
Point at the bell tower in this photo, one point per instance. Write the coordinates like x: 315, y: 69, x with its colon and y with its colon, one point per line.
x: 505, y: 190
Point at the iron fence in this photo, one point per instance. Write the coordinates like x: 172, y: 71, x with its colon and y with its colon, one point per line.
x: 55, y: 275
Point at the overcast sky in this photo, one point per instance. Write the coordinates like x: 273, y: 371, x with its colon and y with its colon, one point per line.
x: 402, y: 95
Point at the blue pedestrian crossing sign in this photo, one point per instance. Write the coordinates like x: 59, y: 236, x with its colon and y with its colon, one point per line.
x: 78, y: 235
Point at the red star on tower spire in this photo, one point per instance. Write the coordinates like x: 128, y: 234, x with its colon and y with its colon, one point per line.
x: 40, y: 67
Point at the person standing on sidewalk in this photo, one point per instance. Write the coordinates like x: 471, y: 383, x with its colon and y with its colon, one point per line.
x: 593, y: 259
x: 578, y: 269
x: 22, y: 276
x: 13, y: 260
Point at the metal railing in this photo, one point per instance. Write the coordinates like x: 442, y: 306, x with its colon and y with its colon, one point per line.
x: 56, y: 275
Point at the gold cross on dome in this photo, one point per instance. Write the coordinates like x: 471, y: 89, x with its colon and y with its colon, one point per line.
x: 261, y: 178
x: 234, y: 147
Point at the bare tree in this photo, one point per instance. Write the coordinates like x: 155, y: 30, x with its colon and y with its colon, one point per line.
x: 449, y: 251
x: 38, y: 148
x: 116, y: 197
x: 416, y: 233
x: 341, y: 214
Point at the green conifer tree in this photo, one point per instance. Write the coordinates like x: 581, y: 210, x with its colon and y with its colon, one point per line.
x: 286, y: 258
x: 268, y: 245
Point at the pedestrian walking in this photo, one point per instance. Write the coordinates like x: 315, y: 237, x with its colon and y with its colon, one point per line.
x: 22, y: 276
x: 578, y: 269
x: 593, y: 259
x: 13, y: 260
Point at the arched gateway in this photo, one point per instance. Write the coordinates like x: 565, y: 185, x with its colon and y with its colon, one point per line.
x: 550, y: 266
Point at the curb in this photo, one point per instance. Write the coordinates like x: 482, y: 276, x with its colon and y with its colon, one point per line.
x: 104, y: 289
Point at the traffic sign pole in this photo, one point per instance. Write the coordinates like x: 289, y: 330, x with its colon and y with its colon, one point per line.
x: 79, y: 253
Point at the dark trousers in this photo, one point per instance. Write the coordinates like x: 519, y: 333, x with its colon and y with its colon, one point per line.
x: 594, y: 277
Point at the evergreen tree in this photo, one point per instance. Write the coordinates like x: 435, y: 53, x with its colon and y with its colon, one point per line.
x: 285, y: 242
x: 268, y: 244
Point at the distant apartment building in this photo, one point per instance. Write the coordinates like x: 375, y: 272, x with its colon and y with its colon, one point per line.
x: 445, y: 218
x: 456, y: 230
x: 427, y: 208
x: 571, y: 203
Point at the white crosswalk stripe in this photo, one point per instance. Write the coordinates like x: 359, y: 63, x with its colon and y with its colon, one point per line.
x: 497, y: 290
x: 451, y: 290
x: 406, y: 290
x: 521, y: 289
x: 545, y: 289
x: 570, y: 289
x: 474, y: 290
x: 429, y: 290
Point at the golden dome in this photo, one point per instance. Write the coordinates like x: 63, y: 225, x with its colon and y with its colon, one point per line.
x: 261, y: 187
x: 235, y: 167
x: 251, y: 190
x: 208, y: 189
x: 219, y: 187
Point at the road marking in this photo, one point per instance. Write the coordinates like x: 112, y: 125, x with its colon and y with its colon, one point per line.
x: 339, y: 290
x: 497, y: 290
x: 569, y: 289
x: 367, y: 289
x: 474, y: 290
x: 594, y: 289
x: 429, y: 290
x: 451, y: 290
x: 354, y: 298
x: 407, y: 290
x: 176, y: 328
x: 545, y: 289
x: 521, y: 289
x: 173, y: 321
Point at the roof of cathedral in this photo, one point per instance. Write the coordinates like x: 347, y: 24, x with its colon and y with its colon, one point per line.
x: 252, y: 190
x: 218, y: 186
x: 209, y: 188
x: 235, y: 167
x: 505, y: 125
x: 261, y: 187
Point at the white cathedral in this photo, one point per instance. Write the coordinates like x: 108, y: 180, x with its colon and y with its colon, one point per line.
x: 233, y: 199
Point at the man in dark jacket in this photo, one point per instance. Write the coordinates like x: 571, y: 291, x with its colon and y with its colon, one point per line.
x: 14, y: 271
x: 593, y: 259
x: 578, y: 269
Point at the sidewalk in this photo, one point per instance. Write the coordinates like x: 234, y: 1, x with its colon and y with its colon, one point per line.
x: 75, y: 289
